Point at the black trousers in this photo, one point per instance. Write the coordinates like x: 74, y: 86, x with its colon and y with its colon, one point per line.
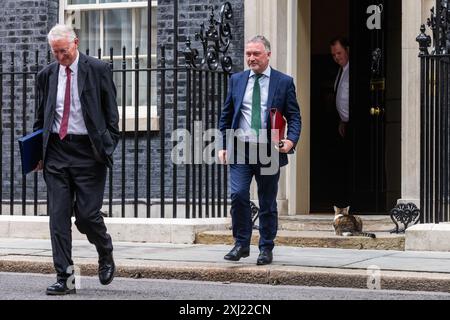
x: 344, y: 169
x: 76, y: 184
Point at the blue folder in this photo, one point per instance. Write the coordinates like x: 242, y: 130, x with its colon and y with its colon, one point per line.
x: 31, y: 151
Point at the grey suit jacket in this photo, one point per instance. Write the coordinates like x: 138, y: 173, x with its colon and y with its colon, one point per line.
x: 98, y: 103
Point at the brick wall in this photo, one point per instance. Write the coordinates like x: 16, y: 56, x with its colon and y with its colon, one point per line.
x: 23, y: 27
x: 192, y: 14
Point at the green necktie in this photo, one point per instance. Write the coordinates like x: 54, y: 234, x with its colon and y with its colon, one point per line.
x: 256, y: 105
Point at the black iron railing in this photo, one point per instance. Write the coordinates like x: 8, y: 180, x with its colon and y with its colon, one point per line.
x: 203, y: 92
x: 435, y: 142
x: 144, y: 181
x: 435, y: 122
x: 435, y: 116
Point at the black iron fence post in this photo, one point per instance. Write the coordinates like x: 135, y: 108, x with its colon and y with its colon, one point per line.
x: 1, y: 133
x: 36, y: 103
x: 124, y: 109
x: 175, y: 105
x: 24, y: 124
x: 12, y: 136
x: 136, y: 132
x: 434, y: 113
x: 110, y: 204
x: 189, y: 142
x: 162, y: 130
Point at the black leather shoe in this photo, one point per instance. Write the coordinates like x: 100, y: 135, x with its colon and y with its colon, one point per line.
x: 60, y: 288
x: 265, y: 257
x: 106, y: 269
x: 237, y: 253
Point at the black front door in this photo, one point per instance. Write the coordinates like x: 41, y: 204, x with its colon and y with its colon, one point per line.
x: 374, y: 31
x: 367, y: 104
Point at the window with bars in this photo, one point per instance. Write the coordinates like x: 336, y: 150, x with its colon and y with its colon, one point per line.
x: 105, y: 24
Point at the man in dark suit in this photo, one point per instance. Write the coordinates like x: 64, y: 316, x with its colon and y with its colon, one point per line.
x: 340, y: 51
x: 251, y: 96
x: 78, y: 114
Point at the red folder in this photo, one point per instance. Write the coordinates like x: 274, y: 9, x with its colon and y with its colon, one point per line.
x: 277, y: 126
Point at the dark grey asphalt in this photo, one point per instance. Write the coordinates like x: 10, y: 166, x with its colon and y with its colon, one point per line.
x: 15, y: 286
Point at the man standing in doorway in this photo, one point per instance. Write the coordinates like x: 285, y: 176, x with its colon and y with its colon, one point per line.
x: 252, y: 95
x: 78, y: 114
x: 340, y: 50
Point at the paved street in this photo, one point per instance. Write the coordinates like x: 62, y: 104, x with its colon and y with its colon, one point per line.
x: 311, y: 267
x: 432, y: 262
x: 32, y: 286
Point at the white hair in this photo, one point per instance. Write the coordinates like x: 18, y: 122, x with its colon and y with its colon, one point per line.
x: 61, y: 31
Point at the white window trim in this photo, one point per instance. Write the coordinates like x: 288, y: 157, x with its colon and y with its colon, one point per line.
x: 63, y: 6
x: 130, y: 110
x: 107, y: 6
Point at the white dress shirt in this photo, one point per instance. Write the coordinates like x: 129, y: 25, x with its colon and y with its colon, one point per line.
x: 343, y: 93
x: 245, y: 123
x: 76, y: 120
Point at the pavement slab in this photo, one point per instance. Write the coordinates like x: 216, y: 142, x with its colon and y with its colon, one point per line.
x: 397, y: 270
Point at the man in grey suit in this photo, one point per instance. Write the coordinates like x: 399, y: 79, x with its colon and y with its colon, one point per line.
x: 78, y: 114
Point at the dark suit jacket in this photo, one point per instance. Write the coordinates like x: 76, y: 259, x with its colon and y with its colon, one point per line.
x: 98, y: 103
x: 282, y: 95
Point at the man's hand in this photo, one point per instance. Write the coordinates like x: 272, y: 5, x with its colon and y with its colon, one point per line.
x: 223, y: 156
x: 287, y: 146
x: 342, y: 128
x: 39, y: 167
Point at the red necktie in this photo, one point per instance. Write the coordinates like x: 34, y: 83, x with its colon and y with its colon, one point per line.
x: 65, y: 118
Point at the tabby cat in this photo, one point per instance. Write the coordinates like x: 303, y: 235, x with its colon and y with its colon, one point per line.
x: 348, y: 225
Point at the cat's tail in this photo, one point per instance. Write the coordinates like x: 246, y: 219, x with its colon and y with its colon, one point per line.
x: 365, y: 234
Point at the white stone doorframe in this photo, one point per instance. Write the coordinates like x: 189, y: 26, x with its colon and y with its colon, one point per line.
x: 278, y: 21
x: 414, y: 13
